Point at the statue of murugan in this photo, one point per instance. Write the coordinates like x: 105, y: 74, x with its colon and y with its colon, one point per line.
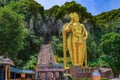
x: 76, y: 41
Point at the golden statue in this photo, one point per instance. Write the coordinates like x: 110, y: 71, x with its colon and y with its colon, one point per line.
x: 76, y: 41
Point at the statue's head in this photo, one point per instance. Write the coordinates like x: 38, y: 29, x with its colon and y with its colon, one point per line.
x: 74, y: 16
x: 71, y: 15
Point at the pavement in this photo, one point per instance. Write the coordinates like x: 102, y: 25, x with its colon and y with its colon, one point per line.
x: 115, y: 79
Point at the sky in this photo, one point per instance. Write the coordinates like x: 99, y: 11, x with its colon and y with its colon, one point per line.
x: 93, y: 6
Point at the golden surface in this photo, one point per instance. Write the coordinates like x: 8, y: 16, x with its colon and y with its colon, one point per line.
x: 76, y: 41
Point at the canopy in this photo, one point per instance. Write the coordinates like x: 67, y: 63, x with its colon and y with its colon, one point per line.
x: 16, y: 70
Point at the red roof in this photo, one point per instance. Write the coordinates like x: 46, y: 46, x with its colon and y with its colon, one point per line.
x: 6, y: 61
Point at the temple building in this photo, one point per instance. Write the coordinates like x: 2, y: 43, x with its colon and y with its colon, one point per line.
x: 8, y: 70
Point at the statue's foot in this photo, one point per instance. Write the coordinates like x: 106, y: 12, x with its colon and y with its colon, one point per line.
x: 66, y: 67
x: 75, y: 65
x: 86, y: 66
x: 81, y: 66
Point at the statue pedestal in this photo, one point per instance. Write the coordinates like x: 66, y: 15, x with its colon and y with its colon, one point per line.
x: 78, y: 72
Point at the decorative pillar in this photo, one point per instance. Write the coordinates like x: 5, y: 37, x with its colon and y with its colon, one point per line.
x: 6, y: 72
x: 28, y: 76
x: 46, y: 75
x: 36, y: 75
x: 14, y: 76
x: 60, y: 73
x: 2, y: 74
x: 63, y: 74
x: 39, y: 75
x: 54, y: 75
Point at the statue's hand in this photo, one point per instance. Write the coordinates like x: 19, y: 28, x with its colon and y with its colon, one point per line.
x: 79, y: 43
x: 70, y: 24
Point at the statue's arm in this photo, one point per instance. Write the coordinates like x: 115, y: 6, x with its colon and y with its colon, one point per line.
x: 77, y: 34
x: 82, y: 35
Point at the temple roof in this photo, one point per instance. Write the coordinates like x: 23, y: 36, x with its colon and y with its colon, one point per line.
x: 6, y: 61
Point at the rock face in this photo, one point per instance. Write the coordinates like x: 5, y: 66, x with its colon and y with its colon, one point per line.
x: 47, y: 27
x: 44, y: 27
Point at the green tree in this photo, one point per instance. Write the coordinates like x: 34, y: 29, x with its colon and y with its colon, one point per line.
x: 102, y: 61
x: 110, y: 45
x: 72, y: 6
x: 91, y: 48
x: 12, y: 31
x: 31, y: 47
x: 57, y: 46
x: 21, y: 12
x: 109, y: 21
x: 51, y: 12
x: 31, y: 64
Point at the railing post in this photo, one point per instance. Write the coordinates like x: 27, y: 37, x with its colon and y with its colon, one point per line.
x: 2, y: 73
x: 14, y: 76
